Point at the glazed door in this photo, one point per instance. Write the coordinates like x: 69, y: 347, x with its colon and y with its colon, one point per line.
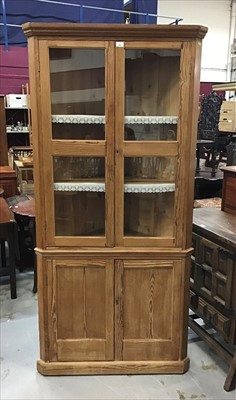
x: 149, y: 129
x: 80, y: 310
x: 78, y: 129
x: 148, y: 313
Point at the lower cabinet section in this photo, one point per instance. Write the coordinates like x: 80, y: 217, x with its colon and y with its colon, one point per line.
x: 121, y: 315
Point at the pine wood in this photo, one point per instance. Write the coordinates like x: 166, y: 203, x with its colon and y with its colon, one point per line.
x: 79, y: 32
x: 80, y: 310
x: 113, y: 367
x: 115, y: 303
x: 138, y: 149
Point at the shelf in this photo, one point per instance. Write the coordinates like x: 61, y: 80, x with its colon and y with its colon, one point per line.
x: 17, y: 108
x: 78, y: 119
x: 225, y: 86
x: 79, y: 187
x: 100, y: 119
x: 17, y: 131
x: 158, y: 119
x: 100, y: 187
x: 149, y: 187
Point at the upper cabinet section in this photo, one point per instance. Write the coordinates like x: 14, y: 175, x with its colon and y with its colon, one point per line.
x: 77, y: 80
x: 115, y: 124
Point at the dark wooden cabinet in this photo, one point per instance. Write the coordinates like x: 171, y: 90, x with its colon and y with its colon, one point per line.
x: 229, y: 190
x: 213, y: 271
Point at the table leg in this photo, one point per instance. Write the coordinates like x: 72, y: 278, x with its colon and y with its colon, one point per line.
x: 230, y: 381
x: 198, y: 169
x: 3, y: 252
x: 12, y: 265
x: 33, y: 236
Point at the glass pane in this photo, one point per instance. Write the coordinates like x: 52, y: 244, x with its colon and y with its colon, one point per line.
x: 77, y: 78
x: 154, y: 169
x: 151, y: 94
x: 149, y: 196
x: 149, y: 214
x: 79, y: 195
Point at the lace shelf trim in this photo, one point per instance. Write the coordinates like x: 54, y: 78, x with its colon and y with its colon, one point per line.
x: 100, y: 187
x: 100, y: 119
x: 78, y: 119
x: 149, y: 187
x: 140, y: 119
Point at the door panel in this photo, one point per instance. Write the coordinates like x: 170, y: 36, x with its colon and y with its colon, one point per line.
x: 82, y: 305
x: 223, y: 278
x: 79, y: 196
x: 147, y: 143
x: 147, y: 312
x: 207, y: 261
x: 77, y: 81
x: 78, y: 142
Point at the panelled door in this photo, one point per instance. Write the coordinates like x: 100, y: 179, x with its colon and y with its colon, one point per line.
x: 147, y: 312
x: 80, y: 310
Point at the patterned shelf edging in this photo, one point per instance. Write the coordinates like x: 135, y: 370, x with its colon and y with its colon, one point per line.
x: 100, y: 119
x: 78, y: 119
x: 158, y: 119
x: 149, y: 187
x: 79, y: 187
x: 100, y: 187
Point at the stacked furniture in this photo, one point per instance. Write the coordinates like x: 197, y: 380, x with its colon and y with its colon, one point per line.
x: 227, y: 122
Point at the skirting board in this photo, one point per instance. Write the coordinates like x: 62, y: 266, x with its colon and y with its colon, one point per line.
x: 113, y: 367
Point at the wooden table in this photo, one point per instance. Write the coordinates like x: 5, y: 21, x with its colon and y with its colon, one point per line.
x: 24, y: 212
x: 8, y: 233
x: 8, y: 181
x: 213, y: 282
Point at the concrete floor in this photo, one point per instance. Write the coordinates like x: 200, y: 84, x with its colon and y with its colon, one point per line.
x: 20, y: 350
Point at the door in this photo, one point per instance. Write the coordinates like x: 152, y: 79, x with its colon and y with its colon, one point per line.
x: 148, y: 312
x: 152, y: 124
x: 77, y: 146
x: 80, y: 310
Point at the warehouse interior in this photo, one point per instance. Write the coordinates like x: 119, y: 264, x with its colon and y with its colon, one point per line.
x: 118, y: 199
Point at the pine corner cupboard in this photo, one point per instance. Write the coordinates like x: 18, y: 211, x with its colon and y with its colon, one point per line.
x: 114, y: 112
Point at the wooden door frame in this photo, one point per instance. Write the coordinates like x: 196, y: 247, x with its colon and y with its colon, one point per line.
x: 53, y: 147
x: 124, y: 148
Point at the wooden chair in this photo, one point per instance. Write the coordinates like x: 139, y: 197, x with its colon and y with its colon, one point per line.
x: 8, y: 234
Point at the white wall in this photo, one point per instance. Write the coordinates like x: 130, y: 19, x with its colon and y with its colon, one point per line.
x: 215, y: 14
